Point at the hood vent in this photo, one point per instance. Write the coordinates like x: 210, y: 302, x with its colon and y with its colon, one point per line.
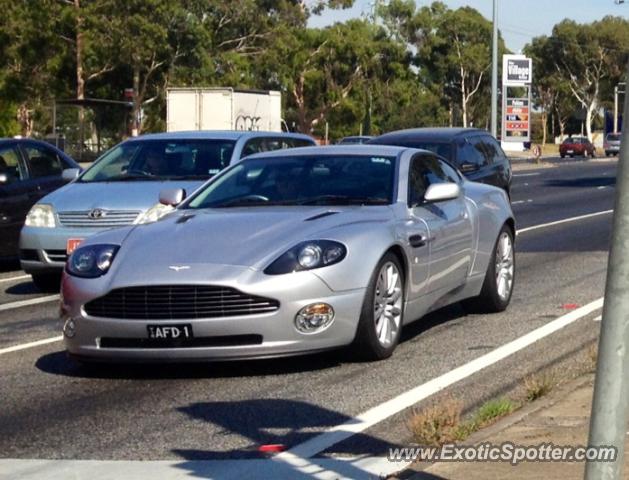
x: 320, y: 215
x: 185, y: 218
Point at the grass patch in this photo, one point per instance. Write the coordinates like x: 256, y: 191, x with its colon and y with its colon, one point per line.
x: 539, y: 385
x: 436, y: 424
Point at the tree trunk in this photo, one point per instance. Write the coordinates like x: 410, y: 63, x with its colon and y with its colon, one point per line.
x: 588, y: 119
x: 25, y: 119
x: 544, y: 126
x: 463, y: 104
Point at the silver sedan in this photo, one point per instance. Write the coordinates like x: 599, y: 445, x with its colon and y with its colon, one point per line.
x: 291, y: 252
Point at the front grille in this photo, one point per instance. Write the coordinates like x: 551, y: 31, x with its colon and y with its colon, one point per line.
x: 195, y: 342
x: 172, y: 302
x: 104, y: 218
x: 56, y: 255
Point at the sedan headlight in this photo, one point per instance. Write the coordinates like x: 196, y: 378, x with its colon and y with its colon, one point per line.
x: 308, y: 256
x: 91, y: 261
x: 154, y: 213
x: 41, y: 215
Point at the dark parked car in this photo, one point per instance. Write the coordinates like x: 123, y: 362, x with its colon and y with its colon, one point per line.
x: 29, y: 170
x: 474, y: 152
x: 356, y: 140
x: 577, y: 146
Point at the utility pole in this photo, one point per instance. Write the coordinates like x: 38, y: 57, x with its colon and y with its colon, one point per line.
x: 494, y: 74
x: 616, y: 92
x: 608, y: 421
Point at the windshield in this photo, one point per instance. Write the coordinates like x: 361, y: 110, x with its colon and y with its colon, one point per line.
x: 161, y: 160
x: 613, y: 137
x: 311, y: 180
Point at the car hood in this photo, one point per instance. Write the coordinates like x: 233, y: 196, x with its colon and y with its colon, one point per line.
x: 77, y: 196
x: 246, y: 237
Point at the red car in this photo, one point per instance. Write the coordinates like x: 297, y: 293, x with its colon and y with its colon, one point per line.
x: 577, y: 146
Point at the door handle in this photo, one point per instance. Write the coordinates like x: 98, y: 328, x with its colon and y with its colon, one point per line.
x: 418, y: 241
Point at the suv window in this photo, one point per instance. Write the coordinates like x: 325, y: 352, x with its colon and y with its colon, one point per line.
x: 11, y: 165
x: 424, y: 171
x: 269, y: 144
x: 493, y: 151
x: 471, y: 152
x: 42, y: 161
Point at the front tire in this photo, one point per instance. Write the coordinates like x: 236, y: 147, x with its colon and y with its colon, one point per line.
x: 47, y: 282
x: 381, y: 317
x: 497, y: 289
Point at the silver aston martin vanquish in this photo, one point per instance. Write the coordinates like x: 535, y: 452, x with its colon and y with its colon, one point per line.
x: 291, y: 252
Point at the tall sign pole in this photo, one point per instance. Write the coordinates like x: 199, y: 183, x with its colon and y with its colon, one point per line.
x: 608, y: 422
x: 494, y: 74
x: 517, y: 76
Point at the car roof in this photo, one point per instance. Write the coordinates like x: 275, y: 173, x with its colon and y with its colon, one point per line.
x: 218, y: 135
x: 442, y: 134
x: 373, y: 150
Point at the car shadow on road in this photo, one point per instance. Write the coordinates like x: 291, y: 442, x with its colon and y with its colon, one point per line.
x: 58, y: 363
x: 24, y: 288
x: 586, y: 182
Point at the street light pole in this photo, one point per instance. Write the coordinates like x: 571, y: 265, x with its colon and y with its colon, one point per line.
x: 494, y: 73
x: 616, y: 92
x: 608, y: 423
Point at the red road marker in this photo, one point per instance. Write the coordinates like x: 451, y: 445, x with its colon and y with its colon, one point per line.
x: 570, y: 306
x: 272, y: 448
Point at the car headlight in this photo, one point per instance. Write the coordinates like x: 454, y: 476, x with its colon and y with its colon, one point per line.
x: 91, y: 261
x: 154, y: 213
x: 41, y: 215
x: 308, y: 256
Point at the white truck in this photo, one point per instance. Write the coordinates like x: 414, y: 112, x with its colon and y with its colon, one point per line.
x: 223, y: 109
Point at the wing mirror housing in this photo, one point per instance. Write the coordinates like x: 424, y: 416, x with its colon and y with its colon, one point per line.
x: 468, y: 168
x: 440, y: 192
x: 172, y: 196
x: 70, y: 174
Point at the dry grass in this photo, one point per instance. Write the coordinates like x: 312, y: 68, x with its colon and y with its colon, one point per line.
x: 436, y: 424
x: 538, y: 385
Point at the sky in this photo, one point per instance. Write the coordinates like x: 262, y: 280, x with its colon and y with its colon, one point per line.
x: 518, y: 20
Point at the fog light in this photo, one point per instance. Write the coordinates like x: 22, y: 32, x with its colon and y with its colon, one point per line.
x: 314, y: 318
x: 69, y: 328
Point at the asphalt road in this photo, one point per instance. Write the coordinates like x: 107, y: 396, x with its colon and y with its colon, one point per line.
x: 53, y: 409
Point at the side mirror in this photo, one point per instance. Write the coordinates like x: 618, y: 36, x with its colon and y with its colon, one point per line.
x: 440, y: 192
x: 3, y: 178
x: 172, y: 196
x: 468, y: 167
x: 70, y: 174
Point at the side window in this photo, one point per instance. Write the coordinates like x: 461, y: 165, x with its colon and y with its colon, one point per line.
x: 469, y: 154
x: 11, y: 165
x: 486, y: 151
x: 252, y: 146
x: 424, y: 171
x: 297, y: 142
x: 42, y: 161
x: 493, y: 149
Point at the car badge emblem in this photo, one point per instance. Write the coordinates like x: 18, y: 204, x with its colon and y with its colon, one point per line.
x: 178, y: 268
x: 96, y: 214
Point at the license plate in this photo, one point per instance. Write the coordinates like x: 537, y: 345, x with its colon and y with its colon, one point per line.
x: 72, y: 244
x: 169, y: 332
x: 570, y: 151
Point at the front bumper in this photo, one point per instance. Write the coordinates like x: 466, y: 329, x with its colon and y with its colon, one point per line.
x: 43, y: 250
x: 279, y: 337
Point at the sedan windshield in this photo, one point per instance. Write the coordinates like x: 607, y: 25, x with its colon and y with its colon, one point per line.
x: 161, y: 160
x: 312, y: 180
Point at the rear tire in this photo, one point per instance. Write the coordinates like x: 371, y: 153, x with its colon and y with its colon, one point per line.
x: 47, y: 282
x: 381, y: 317
x: 497, y: 289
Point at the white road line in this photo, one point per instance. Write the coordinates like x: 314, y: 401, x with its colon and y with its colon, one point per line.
x: 526, y: 174
x: 601, y: 188
x: 26, y: 303
x: 24, y: 346
x: 11, y: 279
x: 565, y: 220
x: 298, y: 454
x: 599, y: 318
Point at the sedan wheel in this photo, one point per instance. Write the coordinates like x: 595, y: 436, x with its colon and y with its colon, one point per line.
x: 381, y: 318
x: 497, y: 288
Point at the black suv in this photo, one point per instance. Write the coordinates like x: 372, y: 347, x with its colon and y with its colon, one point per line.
x: 29, y: 170
x: 474, y: 152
